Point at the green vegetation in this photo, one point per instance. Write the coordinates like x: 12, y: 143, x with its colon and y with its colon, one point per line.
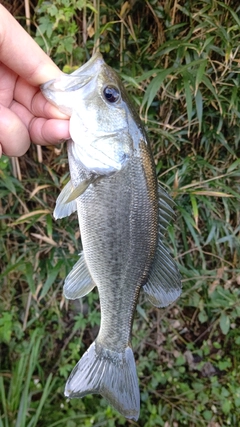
x: 180, y: 63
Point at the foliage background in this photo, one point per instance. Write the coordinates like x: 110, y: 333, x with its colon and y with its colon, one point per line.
x: 180, y: 63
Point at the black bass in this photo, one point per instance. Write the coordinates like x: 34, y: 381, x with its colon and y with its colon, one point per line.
x: 122, y: 216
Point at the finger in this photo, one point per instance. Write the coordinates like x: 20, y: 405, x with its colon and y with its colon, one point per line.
x: 58, y: 129
x: 40, y: 107
x: 34, y: 101
x: 14, y: 136
x: 22, y: 54
x: 48, y: 132
x: 7, y: 83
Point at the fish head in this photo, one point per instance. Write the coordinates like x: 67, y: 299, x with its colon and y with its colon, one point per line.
x: 104, y: 128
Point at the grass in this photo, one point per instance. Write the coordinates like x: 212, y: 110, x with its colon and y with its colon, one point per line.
x: 180, y: 63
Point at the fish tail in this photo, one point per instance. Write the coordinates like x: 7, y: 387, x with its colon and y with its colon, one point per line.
x: 109, y: 373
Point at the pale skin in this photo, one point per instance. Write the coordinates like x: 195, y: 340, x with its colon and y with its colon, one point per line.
x: 25, y: 115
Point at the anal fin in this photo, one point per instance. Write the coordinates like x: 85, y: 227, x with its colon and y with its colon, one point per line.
x: 78, y: 282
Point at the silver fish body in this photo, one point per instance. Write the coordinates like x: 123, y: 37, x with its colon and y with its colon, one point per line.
x: 122, y: 215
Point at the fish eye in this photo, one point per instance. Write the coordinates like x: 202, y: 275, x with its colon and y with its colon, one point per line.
x: 111, y: 94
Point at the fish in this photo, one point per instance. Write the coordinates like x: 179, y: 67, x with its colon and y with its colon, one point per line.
x: 123, y: 214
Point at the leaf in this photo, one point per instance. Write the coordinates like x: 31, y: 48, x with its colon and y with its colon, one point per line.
x: 226, y: 145
x: 211, y: 234
x: 224, y: 323
x: 188, y: 94
x: 29, y: 273
x: 171, y: 45
x: 37, y: 189
x: 209, y: 85
x: 199, y: 109
x: 234, y: 165
x: 211, y: 193
x: 147, y: 74
x: 194, y: 209
x: 189, y: 66
x: 6, y: 327
x: 30, y: 215
x: 202, y: 316
x: 154, y: 87
x: 45, y: 395
x: 226, y: 406
x: 199, y: 76
x: 208, y: 41
x: 52, y: 274
x: 234, y: 15
x: 142, y: 313
x: 45, y: 239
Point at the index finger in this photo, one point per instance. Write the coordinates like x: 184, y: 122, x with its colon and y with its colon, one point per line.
x: 22, y: 54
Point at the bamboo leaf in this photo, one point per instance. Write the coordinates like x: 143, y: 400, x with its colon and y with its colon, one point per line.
x: 52, y: 274
x: 188, y: 94
x: 154, y: 87
x: 209, y: 85
x: 199, y: 109
x: 194, y: 209
x: 199, y: 76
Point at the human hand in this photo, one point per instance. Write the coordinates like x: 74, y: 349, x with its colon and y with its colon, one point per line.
x: 25, y: 115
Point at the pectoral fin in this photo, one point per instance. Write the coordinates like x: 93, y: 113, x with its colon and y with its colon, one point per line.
x: 79, y: 190
x: 62, y: 208
x: 66, y: 202
x: 78, y: 282
x: 164, y: 282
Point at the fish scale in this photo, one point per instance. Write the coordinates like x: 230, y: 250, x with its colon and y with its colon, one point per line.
x: 122, y: 214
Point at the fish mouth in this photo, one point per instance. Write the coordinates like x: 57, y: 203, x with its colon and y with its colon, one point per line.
x: 66, y: 83
x: 77, y: 80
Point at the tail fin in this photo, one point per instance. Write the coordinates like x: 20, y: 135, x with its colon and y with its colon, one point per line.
x: 109, y: 373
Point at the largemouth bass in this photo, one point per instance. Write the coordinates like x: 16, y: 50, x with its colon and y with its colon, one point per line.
x: 122, y: 216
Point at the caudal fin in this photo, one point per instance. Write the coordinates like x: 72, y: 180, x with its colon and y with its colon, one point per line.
x: 109, y: 373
